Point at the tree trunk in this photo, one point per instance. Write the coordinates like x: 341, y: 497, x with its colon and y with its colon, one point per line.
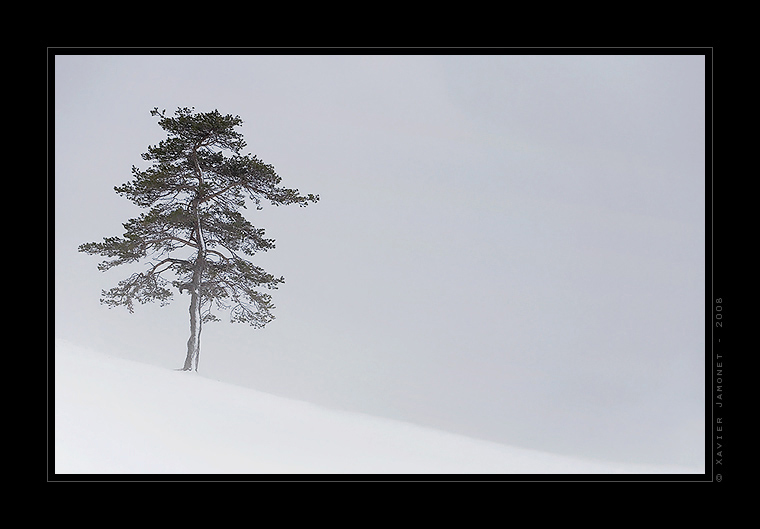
x: 194, y: 342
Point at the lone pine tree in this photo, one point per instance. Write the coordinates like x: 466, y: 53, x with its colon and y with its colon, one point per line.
x: 193, y: 191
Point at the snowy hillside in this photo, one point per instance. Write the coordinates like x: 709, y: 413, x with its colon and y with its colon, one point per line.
x: 117, y: 416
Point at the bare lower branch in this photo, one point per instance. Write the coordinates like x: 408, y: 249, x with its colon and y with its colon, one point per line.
x: 167, y: 260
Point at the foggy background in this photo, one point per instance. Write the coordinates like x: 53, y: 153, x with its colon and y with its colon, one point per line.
x: 508, y: 247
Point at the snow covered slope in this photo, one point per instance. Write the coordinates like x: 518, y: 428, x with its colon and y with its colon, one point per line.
x: 117, y: 416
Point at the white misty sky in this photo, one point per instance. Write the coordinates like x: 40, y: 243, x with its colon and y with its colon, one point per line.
x: 510, y: 247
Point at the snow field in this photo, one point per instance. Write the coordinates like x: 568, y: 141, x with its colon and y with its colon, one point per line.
x: 117, y: 416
